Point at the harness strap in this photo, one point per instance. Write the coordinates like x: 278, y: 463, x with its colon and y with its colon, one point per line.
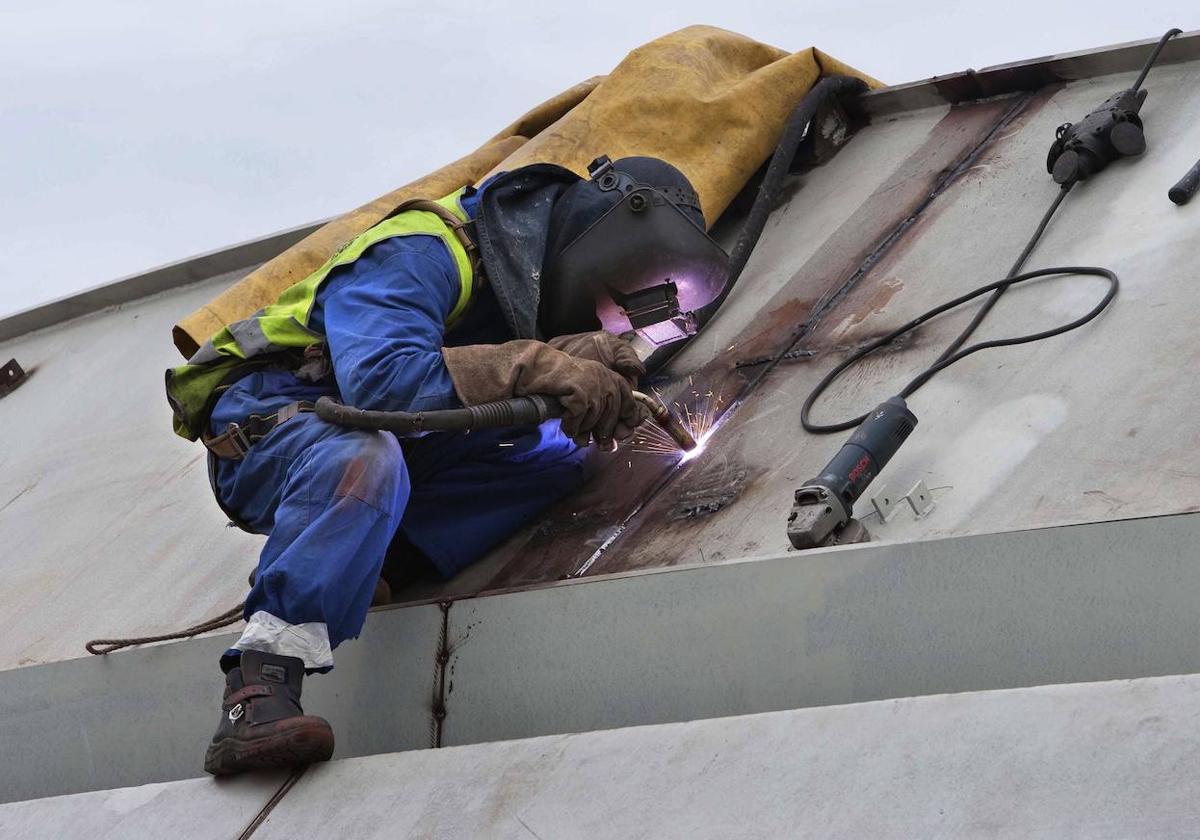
x: 245, y: 693
x: 236, y: 440
x: 457, y: 227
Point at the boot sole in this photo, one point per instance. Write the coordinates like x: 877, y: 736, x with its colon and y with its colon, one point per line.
x: 298, y: 743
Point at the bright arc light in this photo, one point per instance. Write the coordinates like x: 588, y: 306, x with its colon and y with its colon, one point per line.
x: 701, y: 443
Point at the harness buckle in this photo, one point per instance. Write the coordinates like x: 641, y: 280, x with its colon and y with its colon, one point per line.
x: 239, y: 439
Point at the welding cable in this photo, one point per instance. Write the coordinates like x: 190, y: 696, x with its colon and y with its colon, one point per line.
x: 798, y: 125
x: 955, y: 350
x: 1162, y: 42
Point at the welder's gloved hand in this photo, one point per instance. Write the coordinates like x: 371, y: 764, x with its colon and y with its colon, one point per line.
x: 598, y: 401
x: 607, y: 349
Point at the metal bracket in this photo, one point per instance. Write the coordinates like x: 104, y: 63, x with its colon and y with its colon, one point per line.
x: 11, y: 376
x: 919, y: 500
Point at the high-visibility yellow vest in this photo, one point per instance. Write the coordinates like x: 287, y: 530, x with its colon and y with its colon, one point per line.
x: 280, y: 333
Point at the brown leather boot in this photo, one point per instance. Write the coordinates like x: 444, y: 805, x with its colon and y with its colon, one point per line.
x: 262, y: 725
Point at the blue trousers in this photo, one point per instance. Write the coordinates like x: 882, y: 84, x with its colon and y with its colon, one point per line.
x: 332, y: 499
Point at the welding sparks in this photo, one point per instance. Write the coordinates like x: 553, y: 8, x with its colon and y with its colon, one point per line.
x: 651, y: 439
x: 701, y: 419
x: 698, y: 411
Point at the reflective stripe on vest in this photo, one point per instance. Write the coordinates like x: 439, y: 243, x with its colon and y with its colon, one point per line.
x: 283, y: 326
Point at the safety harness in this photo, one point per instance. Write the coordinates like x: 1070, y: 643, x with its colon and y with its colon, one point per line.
x: 278, y: 336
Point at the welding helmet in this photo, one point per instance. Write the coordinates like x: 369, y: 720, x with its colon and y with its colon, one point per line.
x: 627, y: 252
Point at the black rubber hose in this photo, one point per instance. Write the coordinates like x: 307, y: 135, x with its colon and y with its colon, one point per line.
x: 519, y: 411
x: 1183, y: 191
x: 945, y: 361
x: 983, y: 311
x: 772, y: 183
x: 1162, y: 42
x: 953, y: 352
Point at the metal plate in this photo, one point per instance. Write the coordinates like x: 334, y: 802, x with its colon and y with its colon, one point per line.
x: 146, y: 715
x: 565, y: 542
x: 1083, y: 427
x: 197, y: 809
x: 1048, y: 762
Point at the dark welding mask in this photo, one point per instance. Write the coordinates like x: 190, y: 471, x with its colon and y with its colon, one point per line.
x: 628, y: 253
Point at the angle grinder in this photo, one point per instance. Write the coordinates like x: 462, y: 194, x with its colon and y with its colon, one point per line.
x: 824, y: 506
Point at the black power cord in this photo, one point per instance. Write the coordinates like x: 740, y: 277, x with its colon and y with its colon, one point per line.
x: 799, y: 123
x: 955, y: 350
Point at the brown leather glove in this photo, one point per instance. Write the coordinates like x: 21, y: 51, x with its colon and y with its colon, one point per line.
x: 597, y: 401
x: 607, y: 349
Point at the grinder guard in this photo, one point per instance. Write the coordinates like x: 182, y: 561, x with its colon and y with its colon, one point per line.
x: 642, y: 267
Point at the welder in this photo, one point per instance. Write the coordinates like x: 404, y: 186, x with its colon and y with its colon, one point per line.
x: 471, y: 298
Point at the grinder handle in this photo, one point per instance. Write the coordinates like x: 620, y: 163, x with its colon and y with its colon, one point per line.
x: 885, y: 430
x: 1183, y: 191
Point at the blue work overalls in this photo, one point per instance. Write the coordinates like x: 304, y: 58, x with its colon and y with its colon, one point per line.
x: 332, y: 499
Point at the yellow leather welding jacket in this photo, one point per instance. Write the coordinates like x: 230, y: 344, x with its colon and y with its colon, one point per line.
x: 280, y: 333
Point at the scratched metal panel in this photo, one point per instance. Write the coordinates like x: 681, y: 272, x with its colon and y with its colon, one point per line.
x: 1084, y: 427
x: 107, y: 525
x: 1101, y: 760
x: 197, y: 809
x: 1112, y: 600
x: 1103, y: 601
x: 789, y: 276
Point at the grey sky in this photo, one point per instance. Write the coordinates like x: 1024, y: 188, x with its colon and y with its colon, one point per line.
x: 136, y: 133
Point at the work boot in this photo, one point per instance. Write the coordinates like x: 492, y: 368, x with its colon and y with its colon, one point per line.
x: 262, y: 725
x: 382, y: 596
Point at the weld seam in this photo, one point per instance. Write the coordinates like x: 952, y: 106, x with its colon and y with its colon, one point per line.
x: 822, y: 308
x: 438, y: 706
x: 880, y: 251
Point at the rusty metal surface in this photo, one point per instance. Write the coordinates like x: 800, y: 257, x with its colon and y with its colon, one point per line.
x: 1085, y: 427
x: 144, y: 546
x: 570, y: 538
x: 951, y: 213
x: 573, y: 537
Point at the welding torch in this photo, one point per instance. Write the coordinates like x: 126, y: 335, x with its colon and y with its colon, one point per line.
x: 517, y: 411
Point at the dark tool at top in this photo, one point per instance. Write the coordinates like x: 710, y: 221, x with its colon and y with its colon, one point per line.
x: 518, y: 411
x: 1111, y: 131
x: 823, y: 507
x: 1186, y: 187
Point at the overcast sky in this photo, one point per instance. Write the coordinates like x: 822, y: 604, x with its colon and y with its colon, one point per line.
x: 137, y: 133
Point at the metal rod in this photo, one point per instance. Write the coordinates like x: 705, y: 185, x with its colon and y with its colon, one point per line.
x: 1162, y: 42
x: 1186, y: 187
